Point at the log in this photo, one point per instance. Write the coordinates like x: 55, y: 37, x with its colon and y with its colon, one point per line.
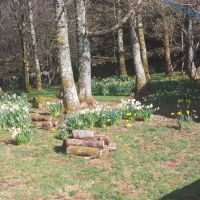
x: 112, y: 146
x: 85, y: 143
x: 40, y: 118
x: 82, y: 134
x: 103, y: 138
x: 84, y: 151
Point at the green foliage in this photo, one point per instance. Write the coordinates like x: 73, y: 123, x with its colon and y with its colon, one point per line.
x: 14, y: 111
x: 62, y: 133
x: 113, y: 86
x: 55, y: 109
x: 184, y: 113
x: 24, y: 137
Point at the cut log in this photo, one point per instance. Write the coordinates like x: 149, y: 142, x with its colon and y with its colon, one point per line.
x: 112, y: 146
x: 82, y: 134
x: 85, y: 143
x: 40, y: 118
x: 103, y: 138
x: 84, y: 151
x: 46, y: 124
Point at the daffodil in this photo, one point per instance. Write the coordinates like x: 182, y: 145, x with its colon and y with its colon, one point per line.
x: 179, y: 113
x: 172, y: 114
x: 128, y: 114
x: 188, y: 101
x: 180, y: 101
x: 187, y: 112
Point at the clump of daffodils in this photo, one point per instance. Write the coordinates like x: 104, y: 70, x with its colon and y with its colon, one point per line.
x: 184, y: 113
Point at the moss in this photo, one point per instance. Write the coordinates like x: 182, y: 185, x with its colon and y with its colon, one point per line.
x: 43, y: 100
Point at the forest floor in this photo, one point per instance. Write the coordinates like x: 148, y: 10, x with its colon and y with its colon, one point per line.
x: 154, y: 160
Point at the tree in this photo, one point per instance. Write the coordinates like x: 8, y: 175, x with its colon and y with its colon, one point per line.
x: 70, y: 96
x: 143, y: 46
x: 190, y: 49
x: 34, y: 44
x: 139, y: 70
x: 122, y: 60
x: 84, y: 82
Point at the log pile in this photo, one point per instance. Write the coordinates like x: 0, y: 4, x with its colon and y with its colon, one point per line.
x: 44, y: 121
x: 85, y: 143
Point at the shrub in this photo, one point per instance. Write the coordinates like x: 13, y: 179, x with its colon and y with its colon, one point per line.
x: 55, y: 109
x: 113, y: 86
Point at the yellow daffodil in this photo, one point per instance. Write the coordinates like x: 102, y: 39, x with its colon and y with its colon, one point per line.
x: 179, y: 113
x: 188, y: 101
x: 180, y: 101
x: 128, y: 125
x: 53, y: 129
x: 128, y: 114
x: 187, y: 112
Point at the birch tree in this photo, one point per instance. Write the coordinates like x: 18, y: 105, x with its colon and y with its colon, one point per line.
x: 70, y: 96
x: 84, y: 83
x: 143, y: 48
x: 139, y: 70
x: 34, y: 44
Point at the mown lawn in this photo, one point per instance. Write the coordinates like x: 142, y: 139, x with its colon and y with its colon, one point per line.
x: 152, y: 160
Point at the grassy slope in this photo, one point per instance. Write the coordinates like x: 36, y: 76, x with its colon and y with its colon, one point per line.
x: 152, y: 160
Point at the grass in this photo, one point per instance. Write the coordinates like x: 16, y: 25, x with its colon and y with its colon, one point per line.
x: 151, y: 161
x: 154, y: 160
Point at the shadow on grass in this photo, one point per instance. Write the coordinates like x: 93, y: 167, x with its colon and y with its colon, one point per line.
x: 59, y: 149
x: 189, y: 192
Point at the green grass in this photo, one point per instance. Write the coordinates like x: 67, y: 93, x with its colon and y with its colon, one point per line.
x: 151, y: 161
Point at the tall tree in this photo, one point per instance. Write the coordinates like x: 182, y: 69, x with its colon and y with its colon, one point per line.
x: 190, y: 49
x: 143, y: 46
x: 34, y: 44
x: 70, y: 96
x: 167, y: 52
x: 84, y: 83
x: 139, y: 70
x: 122, y: 60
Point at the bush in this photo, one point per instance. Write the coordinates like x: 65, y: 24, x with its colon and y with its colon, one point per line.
x: 113, y: 86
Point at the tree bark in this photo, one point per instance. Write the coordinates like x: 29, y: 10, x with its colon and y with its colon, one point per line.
x: 82, y: 134
x: 34, y: 44
x: 167, y: 52
x: 190, y: 49
x: 143, y: 46
x: 84, y: 84
x: 70, y: 96
x: 85, y: 143
x: 122, y: 60
x: 139, y: 70
x: 27, y: 85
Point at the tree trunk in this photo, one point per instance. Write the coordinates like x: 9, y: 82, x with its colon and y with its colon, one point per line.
x: 167, y: 53
x: 143, y: 46
x: 85, y: 143
x: 190, y: 49
x: 84, y: 83
x: 70, y: 96
x: 139, y: 70
x: 27, y: 85
x: 122, y: 60
x: 34, y: 44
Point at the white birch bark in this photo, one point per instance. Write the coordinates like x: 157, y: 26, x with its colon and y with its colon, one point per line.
x: 70, y: 96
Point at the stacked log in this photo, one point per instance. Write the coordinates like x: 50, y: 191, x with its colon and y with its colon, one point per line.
x: 43, y: 121
x: 85, y: 143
